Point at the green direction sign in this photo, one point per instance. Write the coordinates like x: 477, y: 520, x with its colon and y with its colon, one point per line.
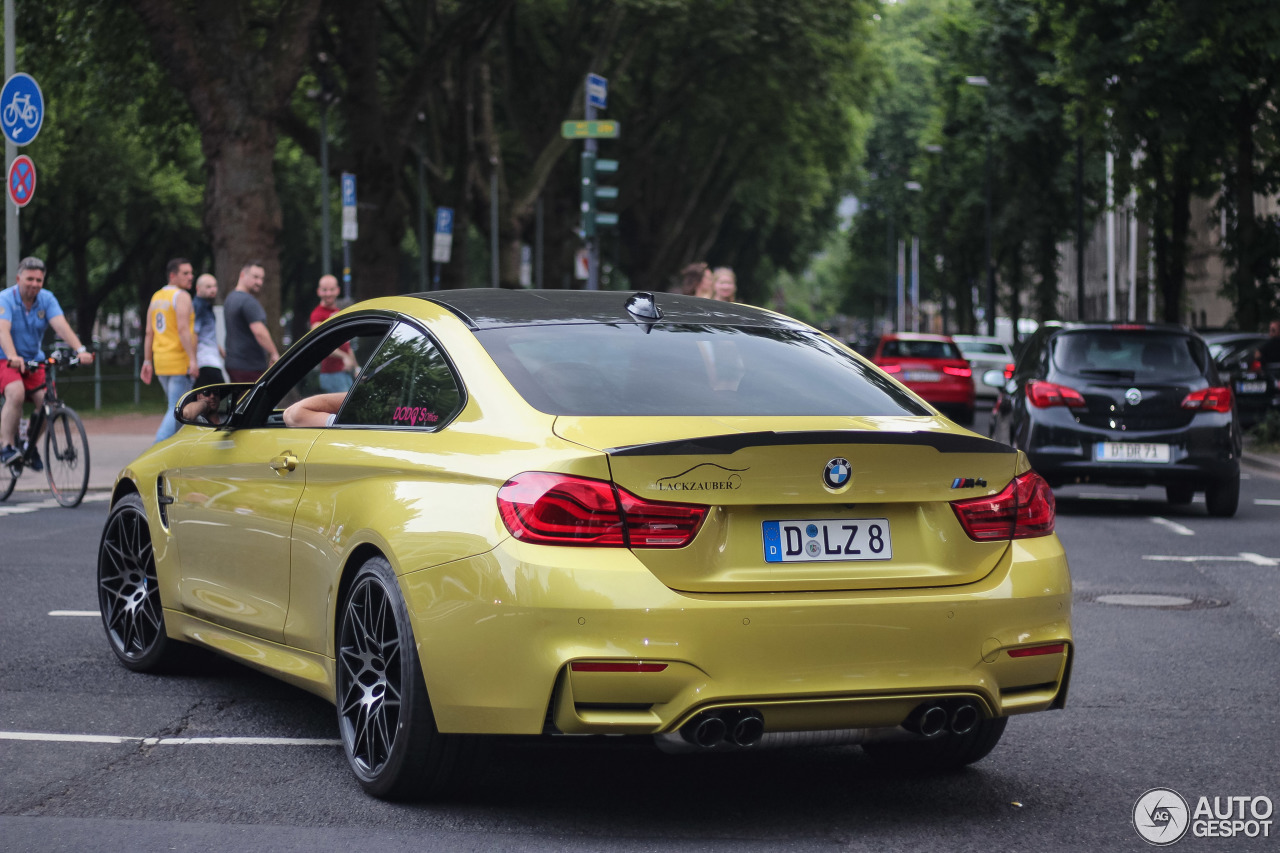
x: 589, y: 129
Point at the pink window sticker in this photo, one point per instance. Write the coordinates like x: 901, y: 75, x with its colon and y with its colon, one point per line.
x: 414, y: 415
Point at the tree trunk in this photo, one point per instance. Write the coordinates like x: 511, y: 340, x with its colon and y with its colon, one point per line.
x: 237, y: 65
x: 1250, y: 267
x: 1179, y: 229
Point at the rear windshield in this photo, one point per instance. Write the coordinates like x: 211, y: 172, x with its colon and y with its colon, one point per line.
x: 977, y: 348
x: 606, y: 369
x: 920, y: 349
x: 1142, y: 355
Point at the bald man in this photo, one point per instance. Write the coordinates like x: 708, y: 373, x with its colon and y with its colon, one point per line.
x: 336, y: 371
x: 209, y: 353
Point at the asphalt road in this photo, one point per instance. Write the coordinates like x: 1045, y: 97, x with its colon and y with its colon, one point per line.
x: 1183, y: 697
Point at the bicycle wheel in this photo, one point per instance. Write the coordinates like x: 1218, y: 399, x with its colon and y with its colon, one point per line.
x: 8, y: 479
x: 66, y: 457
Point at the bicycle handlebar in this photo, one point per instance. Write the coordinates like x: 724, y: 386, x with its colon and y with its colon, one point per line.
x: 57, y: 358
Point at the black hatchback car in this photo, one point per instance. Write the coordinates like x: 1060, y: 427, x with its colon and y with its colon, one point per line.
x: 1123, y: 404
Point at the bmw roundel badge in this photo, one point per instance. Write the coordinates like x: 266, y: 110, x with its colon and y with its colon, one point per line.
x: 837, y: 474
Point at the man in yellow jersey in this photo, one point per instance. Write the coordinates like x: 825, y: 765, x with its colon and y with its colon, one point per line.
x: 169, y: 350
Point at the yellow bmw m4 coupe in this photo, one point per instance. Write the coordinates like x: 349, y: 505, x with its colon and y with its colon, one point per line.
x: 487, y: 512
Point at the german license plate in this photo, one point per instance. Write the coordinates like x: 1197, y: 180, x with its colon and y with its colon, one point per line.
x: 823, y: 540
x: 1130, y: 451
x: 1258, y: 387
x: 922, y: 376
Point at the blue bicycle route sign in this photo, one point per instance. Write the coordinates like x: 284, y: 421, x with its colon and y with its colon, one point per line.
x: 21, y: 108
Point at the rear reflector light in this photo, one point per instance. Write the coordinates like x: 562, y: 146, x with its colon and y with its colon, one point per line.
x: 557, y: 509
x: 1008, y: 371
x: 618, y: 666
x: 1209, y: 400
x: 1033, y: 651
x: 958, y: 371
x: 1255, y: 365
x: 1043, y: 395
x: 891, y: 368
x: 1024, y: 509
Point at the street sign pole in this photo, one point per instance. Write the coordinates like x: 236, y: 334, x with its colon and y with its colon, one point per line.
x: 10, y: 152
x: 593, y: 241
x: 349, y: 230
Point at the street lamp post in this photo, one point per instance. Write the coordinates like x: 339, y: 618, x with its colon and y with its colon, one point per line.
x: 991, y: 272
x: 915, y: 187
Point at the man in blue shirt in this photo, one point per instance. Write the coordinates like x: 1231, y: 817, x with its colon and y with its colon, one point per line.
x: 26, y: 311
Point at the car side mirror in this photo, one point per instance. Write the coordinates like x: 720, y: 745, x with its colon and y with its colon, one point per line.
x: 212, y: 405
x: 993, y: 378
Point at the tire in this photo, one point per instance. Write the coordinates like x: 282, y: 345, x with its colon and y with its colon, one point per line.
x: 1223, y: 497
x: 1179, y: 494
x: 385, y: 720
x: 66, y: 457
x: 8, y: 479
x: 128, y: 593
x: 944, y: 752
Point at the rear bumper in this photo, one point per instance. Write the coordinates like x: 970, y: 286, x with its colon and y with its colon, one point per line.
x: 498, y: 634
x: 1206, y: 451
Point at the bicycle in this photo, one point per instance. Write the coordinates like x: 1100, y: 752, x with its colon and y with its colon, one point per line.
x: 66, y: 447
x: 20, y: 108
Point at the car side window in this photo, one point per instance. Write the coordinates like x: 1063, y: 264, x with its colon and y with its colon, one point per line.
x: 327, y: 361
x: 409, y: 384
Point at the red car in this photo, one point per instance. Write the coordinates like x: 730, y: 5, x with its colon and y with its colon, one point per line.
x: 933, y: 367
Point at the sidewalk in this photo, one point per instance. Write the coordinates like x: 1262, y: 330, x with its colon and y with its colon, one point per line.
x: 114, y: 442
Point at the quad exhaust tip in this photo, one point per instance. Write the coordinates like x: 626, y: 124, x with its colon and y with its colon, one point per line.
x: 741, y: 727
x: 931, y: 719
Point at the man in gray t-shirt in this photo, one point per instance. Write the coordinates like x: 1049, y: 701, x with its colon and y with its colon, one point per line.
x: 250, y: 349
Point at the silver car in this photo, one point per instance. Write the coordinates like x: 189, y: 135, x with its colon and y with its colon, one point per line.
x: 983, y: 354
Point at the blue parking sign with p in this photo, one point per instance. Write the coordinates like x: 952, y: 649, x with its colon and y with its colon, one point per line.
x: 444, y: 220
x: 348, y: 189
x: 21, y: 108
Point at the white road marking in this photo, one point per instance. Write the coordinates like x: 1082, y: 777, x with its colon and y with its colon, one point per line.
x: 1266, y: 502
x: 50, y: 737
x: 49, y: 503
x: 1174, y: 526
x: 1244, y: 557
x: 73, y: 613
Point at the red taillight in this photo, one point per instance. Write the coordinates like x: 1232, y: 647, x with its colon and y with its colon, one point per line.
x: 557, y: 509
x: 1255, y: 365
x: 616, y: 666
x: 891, y: 368
x: 1128, y: 327
x: 958, y: 371
x: 1008, y: 371
x: 1034, y: 651
x: 1209, y: 400
x: 1042, y: 395
x: 1024, y: 509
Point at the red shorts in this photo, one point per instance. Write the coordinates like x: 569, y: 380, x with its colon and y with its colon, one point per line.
x: 30, y: 380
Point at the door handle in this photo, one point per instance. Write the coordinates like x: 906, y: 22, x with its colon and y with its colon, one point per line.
x: 287, y: 462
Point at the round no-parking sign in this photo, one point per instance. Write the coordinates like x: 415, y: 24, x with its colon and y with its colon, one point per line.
x: 22, y: 180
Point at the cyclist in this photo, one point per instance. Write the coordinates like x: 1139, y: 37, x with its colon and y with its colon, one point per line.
x: 26, y: 310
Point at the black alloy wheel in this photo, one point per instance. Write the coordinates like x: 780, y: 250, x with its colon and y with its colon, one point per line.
x: 128, y: 593
x: 384, y: 714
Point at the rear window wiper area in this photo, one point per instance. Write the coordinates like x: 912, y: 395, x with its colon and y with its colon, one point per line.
x: 1102, y: 371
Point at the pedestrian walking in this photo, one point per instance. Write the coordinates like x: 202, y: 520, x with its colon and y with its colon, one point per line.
x: 169, y: 347
x: 1269, y: 352
x: 337, y: 372
x: 209, y: 353
x: 696, y: 279
x: 26, y: 311
x: 725, y: 287
x: 250, y: 349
